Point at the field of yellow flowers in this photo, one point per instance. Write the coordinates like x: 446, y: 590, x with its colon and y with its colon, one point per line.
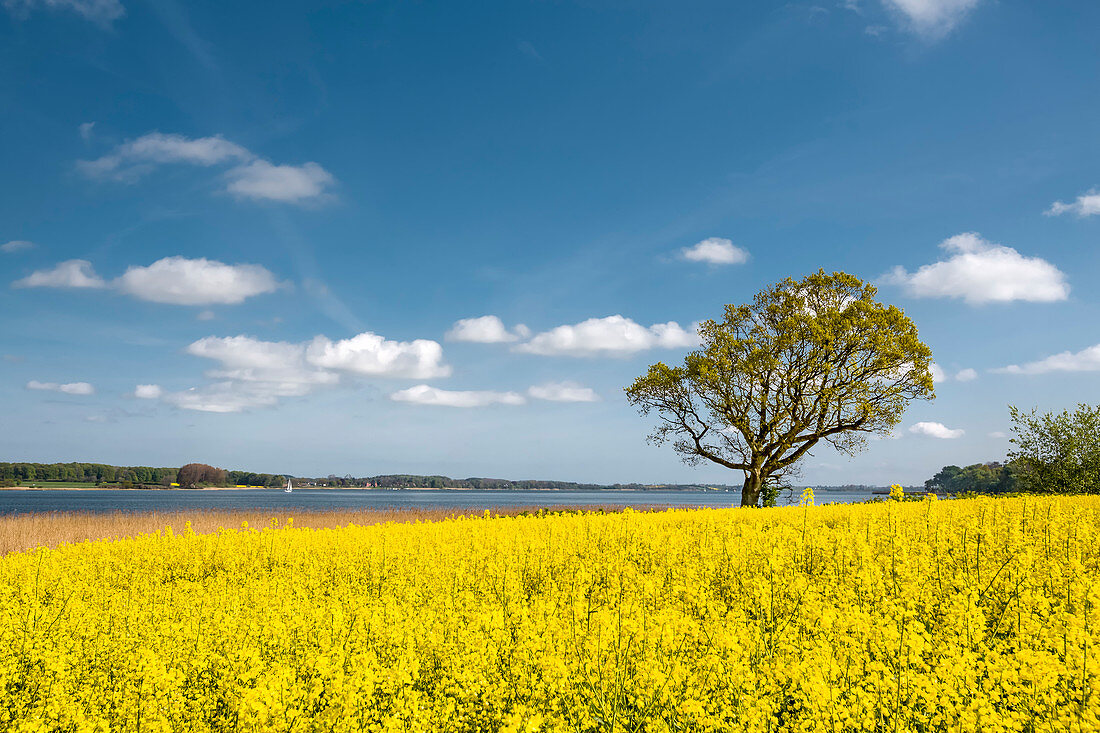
x: 970, y: 615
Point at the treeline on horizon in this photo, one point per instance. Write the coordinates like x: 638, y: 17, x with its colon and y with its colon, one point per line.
x: 202, y: 474
x: 411, y: 481
x: 984, y: 478
x: 16, y: 473
x: 102, y: 473
x: 992, y: 477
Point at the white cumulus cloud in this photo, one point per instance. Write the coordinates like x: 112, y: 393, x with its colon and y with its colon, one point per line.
x: 715, y: 251
x: 261, y: 180
x: 174, y: 280
x: 966, y: 375
x: 423, y: 394
x: 563, y: 392
x: 103, y: 12
x: 250, y: 176
x: 256, y: 373
x: 15, y: 245
x: 182, y: 281
x: 610, y: 336
x: 76, y: 388
x: 485, y: 330
x: 67, y: 274
x: 963, y: 375
x: 1087, y: 204
x: 936, y: 430
x: 1085, y: 360
x: 277, y: 365
x: 148, y: 391
x: 368, y: 353
x: 251, y: 373
x: 931, y: 18
x: 983, y: 272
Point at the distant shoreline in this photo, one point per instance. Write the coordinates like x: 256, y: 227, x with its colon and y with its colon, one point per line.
x: 356, y: 488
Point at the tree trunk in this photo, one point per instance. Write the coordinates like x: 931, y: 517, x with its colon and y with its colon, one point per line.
x: 750, y: 492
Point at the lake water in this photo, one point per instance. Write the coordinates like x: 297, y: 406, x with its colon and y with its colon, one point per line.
x: 60, y: 500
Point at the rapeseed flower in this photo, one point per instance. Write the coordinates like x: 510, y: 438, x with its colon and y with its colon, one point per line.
x: 933, y: 616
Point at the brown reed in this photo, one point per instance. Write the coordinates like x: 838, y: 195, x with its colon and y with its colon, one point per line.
x: 25, y: 531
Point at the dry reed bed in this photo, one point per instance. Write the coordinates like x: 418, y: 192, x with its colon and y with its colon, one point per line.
x: 24, y: 531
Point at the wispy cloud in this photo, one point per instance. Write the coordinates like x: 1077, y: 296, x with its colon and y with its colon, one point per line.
x: 936, y: 430
x: 148, y: 391
x: 423, y: 394
x: 16, y: 245
x: 981, y: 272
x: 715, y: 251
x: 1087, y: 204
x: 222, y: 397
x: 931, y: 19
x: 250, y: 176
x: 1085, y: 360
x: 963, y: 375
x: 610, y: 336
x: 68, y: 274
x: 71, y: 388
x: 528, y: 49
x: 103, y: 12
x: 563, y: 392
x: 134, y: 158
x: 173, y: 280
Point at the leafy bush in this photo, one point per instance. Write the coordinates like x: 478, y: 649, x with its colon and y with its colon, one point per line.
x: 1057, y: 453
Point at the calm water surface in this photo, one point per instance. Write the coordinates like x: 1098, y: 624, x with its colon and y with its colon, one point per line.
x: 55, y: 500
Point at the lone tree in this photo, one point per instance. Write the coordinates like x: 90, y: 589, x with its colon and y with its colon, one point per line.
x: 809, y: 360
x: 193, y: 474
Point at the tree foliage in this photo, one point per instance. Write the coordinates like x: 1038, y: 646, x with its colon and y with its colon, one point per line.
x: 250, y: 478
x: 195, y: 474
x: 1057, y: 453
x: 810, y: 360
x: 90, y: 472
x: 980, y: 478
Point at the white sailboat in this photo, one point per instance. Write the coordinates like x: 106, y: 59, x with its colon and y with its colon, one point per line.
x: 288, y: 488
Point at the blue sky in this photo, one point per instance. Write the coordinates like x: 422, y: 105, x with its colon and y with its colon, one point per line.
x: 442, y: 237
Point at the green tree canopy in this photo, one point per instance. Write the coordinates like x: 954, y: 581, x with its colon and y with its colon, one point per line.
x: 980, y: 478
x: 194, y: 474
x: 1057, y: 453
x: 810, y: 360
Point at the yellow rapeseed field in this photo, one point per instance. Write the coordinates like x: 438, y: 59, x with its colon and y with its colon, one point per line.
x: 976, y: 615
